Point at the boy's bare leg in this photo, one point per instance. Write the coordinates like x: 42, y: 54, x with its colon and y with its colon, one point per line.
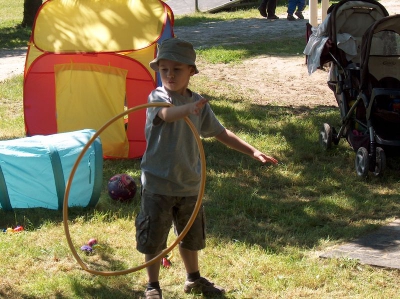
x: 153, y: 271
x: 190, y: 259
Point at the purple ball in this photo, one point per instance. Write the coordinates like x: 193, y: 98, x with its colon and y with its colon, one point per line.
x: 122, y: 187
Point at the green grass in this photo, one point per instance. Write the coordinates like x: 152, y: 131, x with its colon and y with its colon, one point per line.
x: 11, y: 35
x: 236, y: 53
x: 265, y: 224
x: 11, y: 110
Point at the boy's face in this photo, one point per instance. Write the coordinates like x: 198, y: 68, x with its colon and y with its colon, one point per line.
x: 174, y: 75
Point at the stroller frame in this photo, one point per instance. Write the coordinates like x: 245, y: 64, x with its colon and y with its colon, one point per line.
x: 380, y: 88
x: 349, y: 81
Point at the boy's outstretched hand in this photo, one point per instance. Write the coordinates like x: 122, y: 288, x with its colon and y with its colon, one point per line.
x: 264, y: 158
x: 230, y: 139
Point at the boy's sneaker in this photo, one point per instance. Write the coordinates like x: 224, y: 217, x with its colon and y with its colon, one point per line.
x: 153, y: 294
x: 291, y: 18
x: 204, y: 286
x: 299, y: 14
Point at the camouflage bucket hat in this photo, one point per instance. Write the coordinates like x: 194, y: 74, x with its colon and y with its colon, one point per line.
x: 177, y: 50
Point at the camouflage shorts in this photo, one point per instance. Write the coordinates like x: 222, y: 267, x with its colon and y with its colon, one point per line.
x: 158, y: 213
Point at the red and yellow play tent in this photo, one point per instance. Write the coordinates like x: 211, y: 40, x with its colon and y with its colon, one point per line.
x: 87, y: 61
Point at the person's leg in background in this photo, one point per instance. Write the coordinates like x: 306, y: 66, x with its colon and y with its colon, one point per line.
x: 291, y: 9
x: 271, y: 7
x: 301, y: 5
x: 263, y: 8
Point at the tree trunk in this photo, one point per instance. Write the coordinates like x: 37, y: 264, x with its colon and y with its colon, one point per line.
x: 30, y: 9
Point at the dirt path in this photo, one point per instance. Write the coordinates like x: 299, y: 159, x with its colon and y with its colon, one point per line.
x: 271, y: 79
x: 11, y: 62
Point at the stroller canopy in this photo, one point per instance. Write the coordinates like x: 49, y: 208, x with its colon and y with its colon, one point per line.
x: 351, y: 16
x: 380, y: 56
x: 338, y: 38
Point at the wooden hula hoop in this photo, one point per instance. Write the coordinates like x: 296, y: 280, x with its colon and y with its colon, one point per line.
x: 180, y: 236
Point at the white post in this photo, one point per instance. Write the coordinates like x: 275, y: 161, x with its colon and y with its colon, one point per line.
x: 313, y: 8
x: 324, y: 7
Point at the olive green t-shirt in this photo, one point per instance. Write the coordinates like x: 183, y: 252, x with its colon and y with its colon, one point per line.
x: 171, y: 162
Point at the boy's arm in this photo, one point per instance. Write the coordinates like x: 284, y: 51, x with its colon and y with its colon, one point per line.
x: 233, y: 141
x: 173, y: 113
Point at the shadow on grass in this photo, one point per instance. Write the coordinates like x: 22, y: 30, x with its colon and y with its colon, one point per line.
x: 14, y: 37
x: 295, y: 204
x: 309, y: 197
x: 101, y: 290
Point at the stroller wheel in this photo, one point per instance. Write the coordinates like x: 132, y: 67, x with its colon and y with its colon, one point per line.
x: 380, y: 161
x: 325, y: 136
x: 362, y: 162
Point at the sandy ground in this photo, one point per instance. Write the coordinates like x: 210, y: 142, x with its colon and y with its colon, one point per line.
x: 12, y: 62
x: 277, y: 79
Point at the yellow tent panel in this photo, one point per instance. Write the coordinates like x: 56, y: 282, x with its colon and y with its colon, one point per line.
x: 84, y: 90
x: 144, y: 56
x: 98, y: 25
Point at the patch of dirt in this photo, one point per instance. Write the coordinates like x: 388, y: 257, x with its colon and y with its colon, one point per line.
x: 275, y: 80
x: 12, y: 62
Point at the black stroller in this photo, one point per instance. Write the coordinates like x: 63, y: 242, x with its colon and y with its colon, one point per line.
x: 350, y: 80
x: 379, y: 95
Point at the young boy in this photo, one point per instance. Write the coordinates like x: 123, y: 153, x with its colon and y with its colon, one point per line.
x: 171, y: 166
